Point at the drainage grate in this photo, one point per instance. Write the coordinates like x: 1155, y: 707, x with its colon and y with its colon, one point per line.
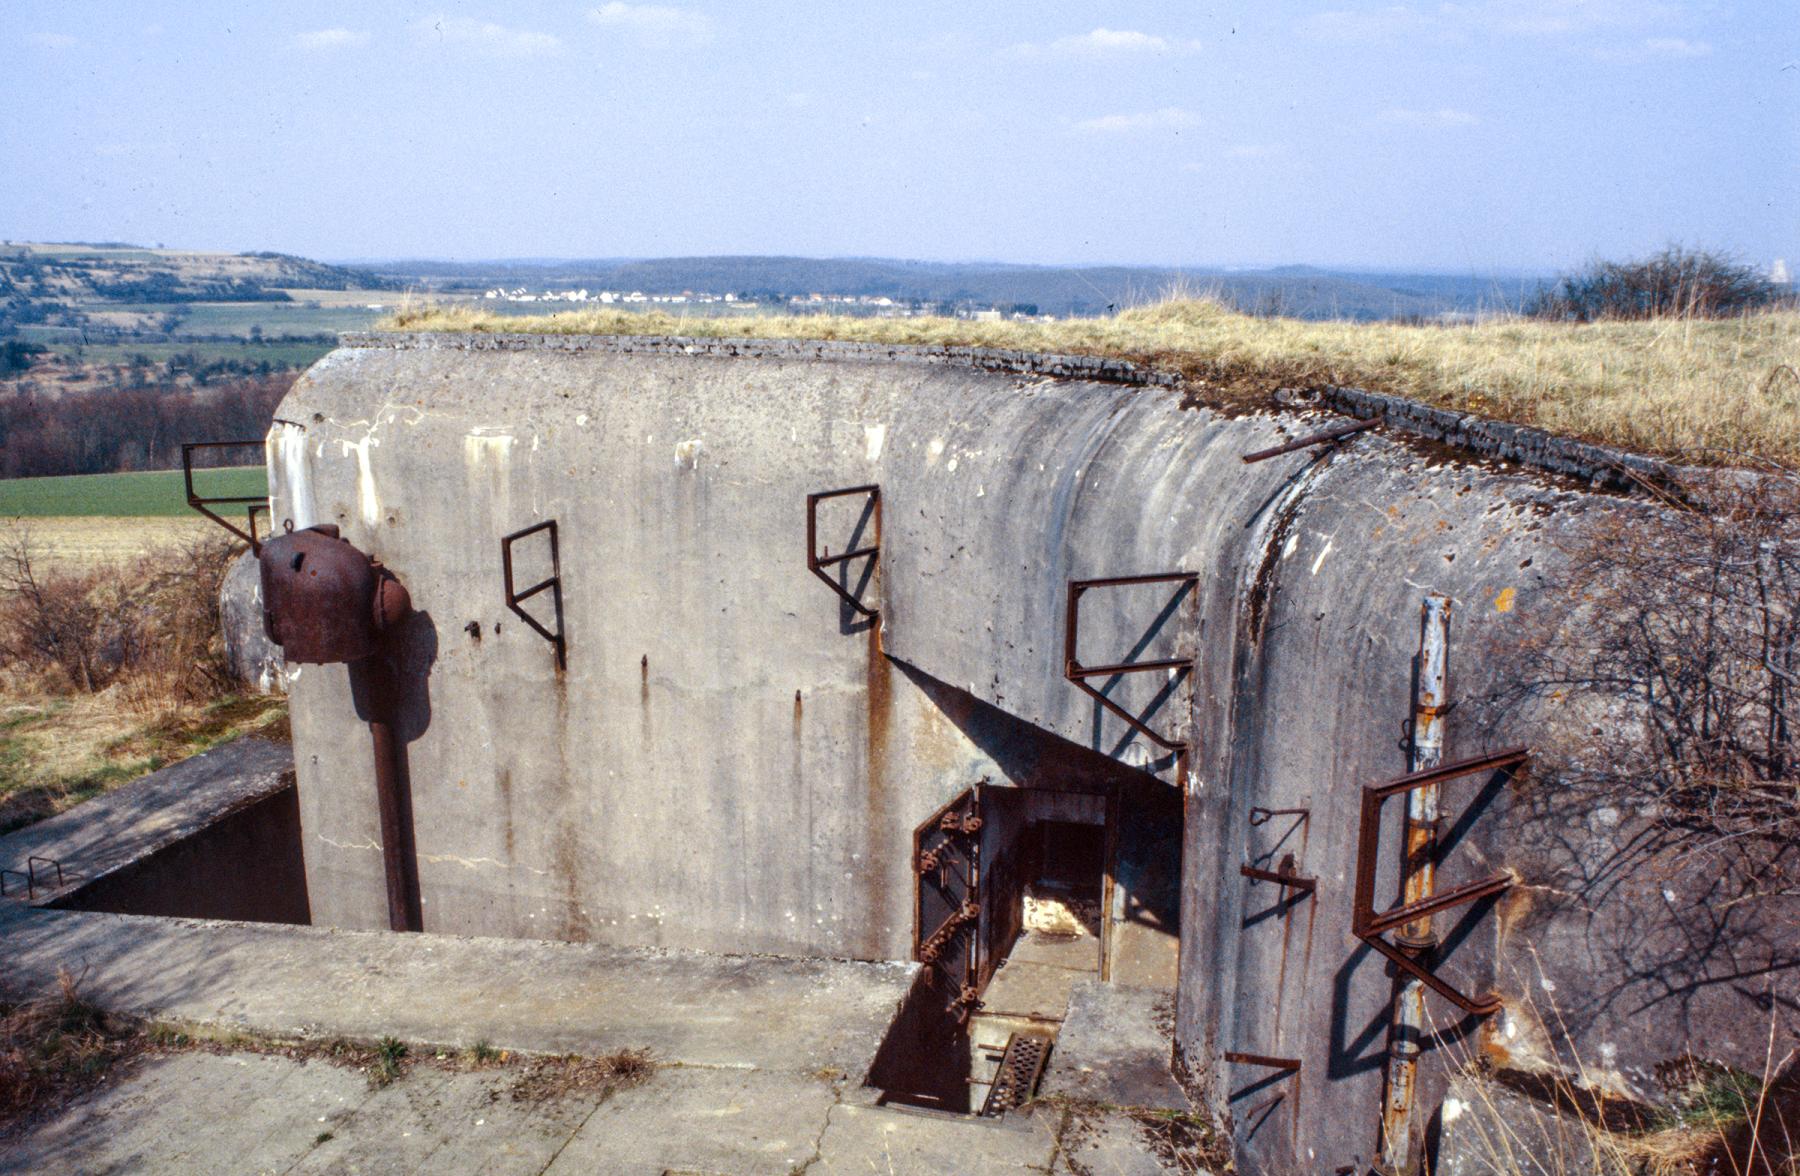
x: 1017, y: 1078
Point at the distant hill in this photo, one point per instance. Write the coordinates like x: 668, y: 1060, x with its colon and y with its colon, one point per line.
x: 1297, y: 291
x: 82, y: 273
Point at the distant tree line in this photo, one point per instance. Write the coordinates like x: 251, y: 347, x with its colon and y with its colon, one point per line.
x: 1675, y: 283
x: 17, y: 355
x: 134, y: 429
x: 159, y: 287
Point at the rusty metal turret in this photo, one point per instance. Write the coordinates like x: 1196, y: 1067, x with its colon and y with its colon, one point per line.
x: 324, y: 600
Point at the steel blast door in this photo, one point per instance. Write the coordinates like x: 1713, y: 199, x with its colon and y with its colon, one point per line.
x: 947, y: 913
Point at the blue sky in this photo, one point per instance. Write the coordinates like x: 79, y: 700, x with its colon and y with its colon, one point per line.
x: 1472, y: 135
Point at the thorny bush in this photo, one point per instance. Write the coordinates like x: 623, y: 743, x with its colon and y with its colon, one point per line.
x: 1688, y: 663
x: 156, y: 618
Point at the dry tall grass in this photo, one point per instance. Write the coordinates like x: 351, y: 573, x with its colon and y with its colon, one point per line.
x: 110, y: 672
x: 1706, y: 391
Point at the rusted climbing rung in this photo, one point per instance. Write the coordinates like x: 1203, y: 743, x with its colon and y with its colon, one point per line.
x: 205, y: 502
x: 1371, y: 926
x: 1078, y: 674
x: 516, y: 597
x: 817, y: 561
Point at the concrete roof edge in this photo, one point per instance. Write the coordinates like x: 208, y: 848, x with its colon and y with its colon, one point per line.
x: 1077, y: 367
x: 1600, y: 466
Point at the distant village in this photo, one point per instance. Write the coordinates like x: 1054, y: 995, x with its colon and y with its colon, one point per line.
x: 873, y: 305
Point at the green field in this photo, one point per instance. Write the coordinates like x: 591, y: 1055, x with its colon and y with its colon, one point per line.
x: 281, y: 353
x: 135, y: 495
x: 277, y: 318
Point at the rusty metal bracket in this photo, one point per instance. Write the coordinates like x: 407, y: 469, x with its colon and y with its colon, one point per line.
x: 32, y: 863
x: 1284, y: 877
x: 1262, y: 816
x: 1371, y: 926
x: 1291, y: 1065
x: 30, y: 890
x: 817, y: 561
x: 514, y: 598
x: 1078, y: 674
x: 204, y: 503
x: 1320, y: 438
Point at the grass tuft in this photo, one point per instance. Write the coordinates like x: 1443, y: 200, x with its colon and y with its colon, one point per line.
x: 1703, y: 391
x: 56, y: 1046
x: 604, y: 1075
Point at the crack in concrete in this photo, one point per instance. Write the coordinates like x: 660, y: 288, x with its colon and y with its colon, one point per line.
x: 818, y: 1148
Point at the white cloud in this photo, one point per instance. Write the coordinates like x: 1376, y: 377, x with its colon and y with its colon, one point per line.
x: 1105, y: 42
x: 1442, y: 117
x: 482, y: 36
x: 1169, y: 118
x: 656, y: 21
x: 324, y: 39
x: 53, y: 40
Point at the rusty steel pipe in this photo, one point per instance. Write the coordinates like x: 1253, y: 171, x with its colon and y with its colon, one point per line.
x: 1399, y: 1127
x: 1337, y: 434
x: 392, y: 797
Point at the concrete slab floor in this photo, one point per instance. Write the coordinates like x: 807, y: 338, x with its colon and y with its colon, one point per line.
x: 1038, y: 973
x: 206, y: 1113
x: 528, y: 995
x: 1115, y: 1047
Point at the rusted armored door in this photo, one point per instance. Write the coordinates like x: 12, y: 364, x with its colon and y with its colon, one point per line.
x: 946, y: 928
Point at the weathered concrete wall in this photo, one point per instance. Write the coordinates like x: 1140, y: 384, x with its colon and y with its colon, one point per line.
x: 669, y: 788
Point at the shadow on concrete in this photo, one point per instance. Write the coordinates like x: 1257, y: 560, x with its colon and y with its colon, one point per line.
x: 1148, y: 861
x: 394, y: 687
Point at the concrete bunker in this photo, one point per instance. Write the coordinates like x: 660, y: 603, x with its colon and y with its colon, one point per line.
x: 1068, y: 641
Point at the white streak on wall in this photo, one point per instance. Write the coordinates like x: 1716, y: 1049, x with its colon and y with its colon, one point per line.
x: 481, y: 452
x: 292, y: 494
x: 487, y: 459
x: 367, y: 500
x: 874, y: 436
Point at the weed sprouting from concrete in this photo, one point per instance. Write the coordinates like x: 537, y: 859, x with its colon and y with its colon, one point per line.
x: 389, y: 1062
x: 1184, y: 1141
x: 603, y: 1076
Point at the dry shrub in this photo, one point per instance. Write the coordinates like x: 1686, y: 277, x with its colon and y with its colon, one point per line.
x: 55, y: 1047
x: 151, y: 625
x: 552, y: 1077
x: 1686, y: 661
x: 1674, y: 283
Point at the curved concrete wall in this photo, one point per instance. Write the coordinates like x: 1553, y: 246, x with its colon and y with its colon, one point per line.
x: 734, y: 760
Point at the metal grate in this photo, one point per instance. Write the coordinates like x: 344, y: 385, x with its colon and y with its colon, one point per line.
x: 1020, y: 1068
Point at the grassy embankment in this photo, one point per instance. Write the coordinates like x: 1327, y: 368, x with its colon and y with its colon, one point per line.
x: 1714, y: 392
x: 129, y: 539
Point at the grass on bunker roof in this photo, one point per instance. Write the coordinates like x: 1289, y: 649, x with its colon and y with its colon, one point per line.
x: 1714, y: 392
